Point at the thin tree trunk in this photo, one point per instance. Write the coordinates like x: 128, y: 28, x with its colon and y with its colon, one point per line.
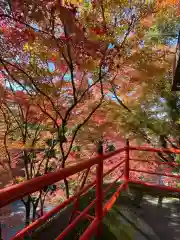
x: 28, y: 210
x: 42, y: 206
x: 34, y: 212
x: 66, y: 187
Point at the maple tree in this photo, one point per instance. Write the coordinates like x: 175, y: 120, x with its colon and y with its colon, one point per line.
x: 150, y: 110
x: 60, y: 66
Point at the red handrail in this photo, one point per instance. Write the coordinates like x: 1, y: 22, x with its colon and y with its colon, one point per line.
x: 160, y: 187
x: 126, y: 173
x: 15, y: 192
x: 90, y: 230
x: 99, y: 195
x: 57, y: 209
x: 150, y: 149
x: 155, y: 173
x: 70, y: 227
x: 155, y: 161
x: 45, y: 217
x: 18, y: 191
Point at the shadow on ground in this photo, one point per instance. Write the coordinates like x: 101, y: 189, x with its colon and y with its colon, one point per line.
x: 137, y: 215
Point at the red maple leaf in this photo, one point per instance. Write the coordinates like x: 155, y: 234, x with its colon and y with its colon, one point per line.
x: 98, y: 30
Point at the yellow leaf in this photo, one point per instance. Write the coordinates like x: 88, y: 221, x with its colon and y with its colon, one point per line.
x: 27, y: 47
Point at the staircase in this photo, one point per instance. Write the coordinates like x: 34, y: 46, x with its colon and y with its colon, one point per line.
x: 122, y: 209
x: 129, y: 218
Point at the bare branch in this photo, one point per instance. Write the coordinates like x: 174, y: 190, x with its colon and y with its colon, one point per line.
x: 83, y: 123
x: 118, y: 99
x: 11, y: 75
x: 70, y: 64
x: 35, y: 85
x: 24, y: 23
x: 5, y: 143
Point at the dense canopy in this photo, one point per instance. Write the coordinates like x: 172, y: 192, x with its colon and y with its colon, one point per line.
x: 79, y: 75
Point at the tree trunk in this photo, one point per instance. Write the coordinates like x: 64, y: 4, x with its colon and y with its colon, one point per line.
x: 66, y: 183
x: 28, y: 210
x: 66, y: 187
x: 41, y: 206
x: 100, y: 147
x: 34, y: 213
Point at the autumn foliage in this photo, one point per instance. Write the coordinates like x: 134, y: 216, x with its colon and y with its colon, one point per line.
x: 70, y: 73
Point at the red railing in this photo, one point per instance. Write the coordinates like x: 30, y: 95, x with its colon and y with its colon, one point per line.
x: 18, y: 191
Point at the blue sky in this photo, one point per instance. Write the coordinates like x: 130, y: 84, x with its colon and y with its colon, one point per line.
x: 51, y: 67
x: 35, y: 26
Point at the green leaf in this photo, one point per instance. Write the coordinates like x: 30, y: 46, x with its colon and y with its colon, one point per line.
x: 141, y: 177
x: 51, y: 142
x: 52, y: 188
x: 111, y: 148
x: 177, y: 159
x: 27, y: 238
x: 76, y: 149
x: 33, y: 155
x: 72, y: 130
x: 34, y: 199
x: 51, y: 169
x: 50, y: 153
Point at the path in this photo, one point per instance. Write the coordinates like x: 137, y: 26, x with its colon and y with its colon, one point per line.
x: 127, y: 221
x: 151, y: 221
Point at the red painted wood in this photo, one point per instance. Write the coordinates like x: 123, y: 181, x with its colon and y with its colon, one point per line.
x: 155, y: 161
x: 46, y: 216
x: 149, y: 149
x: 126, y: 173
x: 75, y: 221
x: 112, y: 184
x: 18, y: 191
x: 99, y: 195
x: 160, y: 187
x: 89, y: 217
x: 155, y: 173
x: 112, y: 169
x: 113, y: 199
x: 90, y: 230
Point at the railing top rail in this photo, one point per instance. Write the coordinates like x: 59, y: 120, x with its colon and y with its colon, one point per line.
x: 18, y: 191
x: 150, y: 149
x: 155, y: 161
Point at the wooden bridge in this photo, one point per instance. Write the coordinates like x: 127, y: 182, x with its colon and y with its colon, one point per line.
x: 16, y: 192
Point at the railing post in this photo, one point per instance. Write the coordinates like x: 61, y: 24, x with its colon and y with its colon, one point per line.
x: 99, y: 191
x: 126, y: 170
